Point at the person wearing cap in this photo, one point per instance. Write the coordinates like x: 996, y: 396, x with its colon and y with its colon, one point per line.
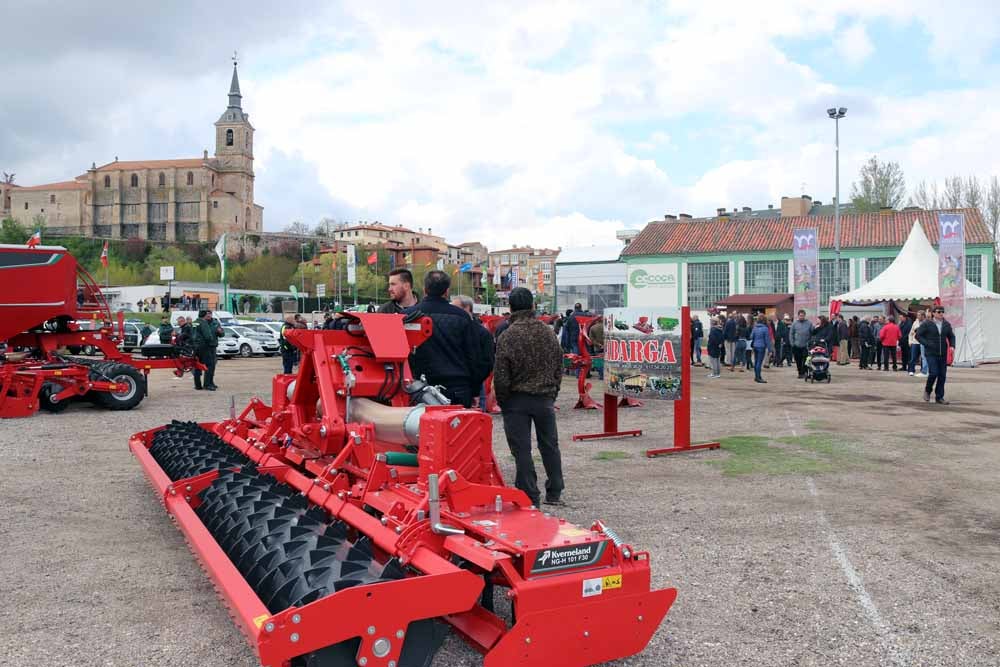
x: 936, y: 336
x: 526, y: 379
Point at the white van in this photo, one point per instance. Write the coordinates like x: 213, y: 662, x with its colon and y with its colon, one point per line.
x: 224, y: 317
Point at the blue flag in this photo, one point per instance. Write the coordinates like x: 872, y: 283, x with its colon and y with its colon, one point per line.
x: 465, y: 268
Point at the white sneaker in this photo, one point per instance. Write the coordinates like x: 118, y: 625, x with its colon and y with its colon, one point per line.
x: 911, y: 373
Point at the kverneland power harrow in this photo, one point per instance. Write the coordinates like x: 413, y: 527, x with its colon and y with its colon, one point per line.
x: 356, y: 517
x: 44, y: 297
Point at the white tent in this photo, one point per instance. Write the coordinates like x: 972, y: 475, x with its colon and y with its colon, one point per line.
x: 913, y: 276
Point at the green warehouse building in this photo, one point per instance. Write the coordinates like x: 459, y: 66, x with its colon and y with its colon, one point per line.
x: 696, y: 262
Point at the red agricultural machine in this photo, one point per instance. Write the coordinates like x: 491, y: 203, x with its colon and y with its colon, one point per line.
x: 357, y: 517
x: 44, y: 295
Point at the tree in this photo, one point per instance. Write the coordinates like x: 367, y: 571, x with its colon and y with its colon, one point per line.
x: 8, y: 179
x: 973, y: 193
x: 991, y: 209
x: 924, y: 197
x: 297, y: 228
x: 12, y: 232
x: 135, y: 250
x: 952, y: 197
x: 879, y: 184
x: 272, y: 272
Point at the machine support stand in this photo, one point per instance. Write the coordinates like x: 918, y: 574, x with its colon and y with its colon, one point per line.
x: 682, y: 406
x: 610, y: 423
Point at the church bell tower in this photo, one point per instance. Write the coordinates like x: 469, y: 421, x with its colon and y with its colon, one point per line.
x: 234, y: 133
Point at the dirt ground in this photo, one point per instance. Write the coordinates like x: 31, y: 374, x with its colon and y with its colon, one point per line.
x: 841, y: 524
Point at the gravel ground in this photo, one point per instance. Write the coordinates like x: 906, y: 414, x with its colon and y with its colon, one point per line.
x: 868, y: 535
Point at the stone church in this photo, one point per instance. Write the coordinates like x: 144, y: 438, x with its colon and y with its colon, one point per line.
x: 195, y: 199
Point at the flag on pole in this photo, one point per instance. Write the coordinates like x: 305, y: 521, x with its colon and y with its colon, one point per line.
x: 465, y: 268
x: 515, y: 279
x: 372, y: 258
x: 35, y: 238
x: 541, y: 282
x: 482, y: 280
x: 220, y: 250
x: 104, y: 255
x: 497, y: 280
x: 392, y: 261
x: 440, y: 264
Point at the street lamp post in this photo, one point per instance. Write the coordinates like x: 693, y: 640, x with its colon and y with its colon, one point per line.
x: 836, y: 114
x: 302, y: 275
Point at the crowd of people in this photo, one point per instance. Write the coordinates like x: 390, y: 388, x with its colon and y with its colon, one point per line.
x: 917, y: 343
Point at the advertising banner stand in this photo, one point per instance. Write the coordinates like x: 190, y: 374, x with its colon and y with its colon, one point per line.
x: 644, y: 357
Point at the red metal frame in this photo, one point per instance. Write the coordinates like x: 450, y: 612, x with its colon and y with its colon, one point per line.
x: 682, y: 407
x: 610, y: 422
x: 306, y: 439
x: 47, y: 292
x: 583, y: 362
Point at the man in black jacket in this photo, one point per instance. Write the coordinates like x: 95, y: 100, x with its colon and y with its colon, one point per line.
x: 527, y: 379
x: 573, y: 328
x: 486, y: 344
x: 866, y: 338
x: 451, y: 357
x: 697, y: 333
x: 936, y: 336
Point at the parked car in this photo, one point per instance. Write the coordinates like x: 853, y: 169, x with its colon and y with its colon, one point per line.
x: 133, y: 336
x: 251, y: 343
x: 227, y: 347
x: 85, y: 325
x: 263, y: 329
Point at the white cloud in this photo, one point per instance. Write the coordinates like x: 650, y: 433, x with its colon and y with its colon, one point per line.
x: 550, y: 124
x: 853, y: 45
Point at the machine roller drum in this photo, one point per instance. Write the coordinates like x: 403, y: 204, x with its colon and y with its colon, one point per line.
x: 291, y: 553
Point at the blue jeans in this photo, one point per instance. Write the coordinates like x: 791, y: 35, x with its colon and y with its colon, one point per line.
x: 937, y: 370
x: 914, y: 353
x: 741, y: 352
x: 758, y: 360
x: 696, y: 350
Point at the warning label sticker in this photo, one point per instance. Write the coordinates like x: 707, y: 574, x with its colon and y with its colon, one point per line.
x: 572, y: 531
x: 592, y: 587
x: 562, y: 558
x: 259, y: 620
x: 612, y: 581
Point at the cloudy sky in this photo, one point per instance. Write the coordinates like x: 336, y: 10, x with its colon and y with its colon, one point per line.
x: 512, y: 123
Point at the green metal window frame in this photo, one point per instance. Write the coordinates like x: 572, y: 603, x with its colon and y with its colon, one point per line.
x: 707, y: 282
x: 826, y: 286
x: 769, y: 276
x: 875, y: 266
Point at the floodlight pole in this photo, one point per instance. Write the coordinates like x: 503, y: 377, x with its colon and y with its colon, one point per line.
x: 836, y: 114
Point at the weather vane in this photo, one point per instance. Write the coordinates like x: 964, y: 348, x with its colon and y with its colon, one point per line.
x: 235, y: 56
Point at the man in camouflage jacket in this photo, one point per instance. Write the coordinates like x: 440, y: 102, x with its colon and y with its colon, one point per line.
x: 526, y: 380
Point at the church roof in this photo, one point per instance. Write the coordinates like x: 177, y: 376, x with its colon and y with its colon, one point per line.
x: 137, y: 165
x: 62, y: 185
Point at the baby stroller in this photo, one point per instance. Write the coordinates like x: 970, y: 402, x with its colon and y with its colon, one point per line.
x: 818, y: 362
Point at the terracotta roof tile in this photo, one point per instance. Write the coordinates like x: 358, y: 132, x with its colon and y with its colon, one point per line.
x: 62, y: 185
x: 180, y: 163
x: 857, y: 230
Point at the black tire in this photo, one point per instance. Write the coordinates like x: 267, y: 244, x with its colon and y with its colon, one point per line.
x: 123, y: 373
x: 45, y: 401
x: 246, y: 351
x: 89, y: 350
